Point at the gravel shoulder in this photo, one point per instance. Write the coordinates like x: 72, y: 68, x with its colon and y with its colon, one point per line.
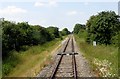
x: 46, y: 71
x: 83, y: 66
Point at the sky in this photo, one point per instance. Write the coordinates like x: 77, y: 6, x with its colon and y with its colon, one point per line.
x: 60, y: 14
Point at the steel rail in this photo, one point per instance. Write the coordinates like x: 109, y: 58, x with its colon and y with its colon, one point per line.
x: 74, y: 67
x: 56, y: 67
x: 59, y: 61
x: 66, y: 45
x: 74, y: 62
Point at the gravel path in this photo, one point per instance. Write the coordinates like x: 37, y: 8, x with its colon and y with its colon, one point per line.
x: 83, y: 67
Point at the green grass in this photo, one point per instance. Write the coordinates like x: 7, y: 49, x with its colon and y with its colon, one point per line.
x: 30, y: 62
x: 100, y: 54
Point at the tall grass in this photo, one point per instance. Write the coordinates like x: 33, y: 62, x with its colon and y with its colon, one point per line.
x: 29, y: 62
x: 103, y: 59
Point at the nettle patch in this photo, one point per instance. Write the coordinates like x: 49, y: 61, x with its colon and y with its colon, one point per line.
x: 103, y: 67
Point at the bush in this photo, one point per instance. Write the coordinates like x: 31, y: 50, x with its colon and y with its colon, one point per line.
x: 65, y: 32
x: 103, y: 27
x: 8, y: 63
x: 6, y: 68
x: 78, y: 27
x: 54, y: 32
x: 17, y: 35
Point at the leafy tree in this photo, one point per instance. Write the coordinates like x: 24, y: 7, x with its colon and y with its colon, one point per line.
x: 44, y: 35
x: 15, y: 36
x: 54, y: 31
x: 24, y: 37
x: 10, y: 36
x: 78, y: 27
x: 103, y: 27
x: 65, y: 32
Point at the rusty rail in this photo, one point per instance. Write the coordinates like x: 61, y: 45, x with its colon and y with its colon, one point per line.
x: 59, y: 61
x: 56, y: 67
x: 74, y: 62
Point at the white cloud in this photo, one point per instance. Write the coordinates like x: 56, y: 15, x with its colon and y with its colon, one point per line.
x: 12, y: 10
x: 45, y: 4
x: 37, y: 4
x: 86, y: 3
x: 52, y: 3
x: 72, y: 13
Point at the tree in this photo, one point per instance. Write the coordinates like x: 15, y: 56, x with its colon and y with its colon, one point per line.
x: 17, y: 35
x: 102, y: 27
x: 65, y: 32
x: 24, y: 36
x: 10, y: 37
x: 78, y: 27
x: 54, y: 31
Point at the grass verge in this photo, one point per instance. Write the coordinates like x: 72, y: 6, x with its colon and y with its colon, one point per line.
x: 30, y: 62
x: 103, y: 59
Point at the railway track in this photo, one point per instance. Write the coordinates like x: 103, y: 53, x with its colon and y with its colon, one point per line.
x: 66, y: 65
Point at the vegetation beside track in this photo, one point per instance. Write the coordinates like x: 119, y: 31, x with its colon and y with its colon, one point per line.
x: 30, y: 62
x: 101, y: 29
x: 20, y: 38
x: 103, y: 59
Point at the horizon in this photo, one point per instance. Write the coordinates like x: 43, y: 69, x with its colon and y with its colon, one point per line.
x: 58, y: 14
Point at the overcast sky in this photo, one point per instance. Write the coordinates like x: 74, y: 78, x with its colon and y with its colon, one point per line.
x: 54, y: 13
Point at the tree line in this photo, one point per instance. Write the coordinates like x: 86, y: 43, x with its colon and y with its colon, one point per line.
x: 103, y: 28
x: 17, y: 35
